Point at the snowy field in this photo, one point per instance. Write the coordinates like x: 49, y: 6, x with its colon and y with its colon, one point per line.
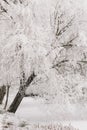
x: 36, y: 111
x: 35, y: 114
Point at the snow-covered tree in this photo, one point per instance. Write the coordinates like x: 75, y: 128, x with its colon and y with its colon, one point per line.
x: 49, y: 37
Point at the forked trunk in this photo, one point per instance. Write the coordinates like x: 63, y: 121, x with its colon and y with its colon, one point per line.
x: 20, y: 95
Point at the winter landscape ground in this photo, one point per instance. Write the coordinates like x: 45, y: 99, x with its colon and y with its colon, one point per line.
x: 43, y: 65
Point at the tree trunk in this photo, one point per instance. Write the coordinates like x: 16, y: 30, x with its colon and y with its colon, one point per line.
x: 16, y: 102
x: 7, y: 95
x: 2, y: 93
x: 20, y: 95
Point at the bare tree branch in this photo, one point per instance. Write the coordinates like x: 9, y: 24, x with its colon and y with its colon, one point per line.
x: 83, y: 61
x: 3, y: 9
x: 6, y: 2
x: 59, y: 63
x: 61, y: 31
x: 69, y: 43
x: 20, y: 1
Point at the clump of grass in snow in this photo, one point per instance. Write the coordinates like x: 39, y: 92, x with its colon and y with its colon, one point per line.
x: 22, y: 124
x: 54, y: 127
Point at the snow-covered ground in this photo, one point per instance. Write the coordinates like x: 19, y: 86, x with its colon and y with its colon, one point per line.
x: 10, y: 122
x: 36, y: 111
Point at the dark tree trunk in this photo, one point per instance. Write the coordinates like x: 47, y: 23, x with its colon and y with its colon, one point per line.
x: 7, y: 95
x: 15, y: 103
x: 2, y: 93
x: 20, y: 95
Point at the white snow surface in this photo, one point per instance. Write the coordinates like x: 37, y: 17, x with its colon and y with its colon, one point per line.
x: 38, y: 110
x: 35, y: 110
x: 33, y: 113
